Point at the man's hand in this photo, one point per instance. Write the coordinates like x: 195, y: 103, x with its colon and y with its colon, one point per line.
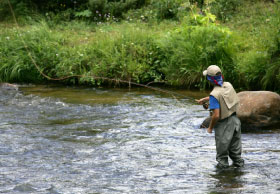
x: 209, y: 130
x: 202, y: 100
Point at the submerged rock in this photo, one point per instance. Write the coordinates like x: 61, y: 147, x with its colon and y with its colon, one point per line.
x: 24, y: 188
x: 206, y: 123
x: 257, y: 110
x: 8, y: 86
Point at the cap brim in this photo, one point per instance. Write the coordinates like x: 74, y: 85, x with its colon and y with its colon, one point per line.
x: 205, y: 72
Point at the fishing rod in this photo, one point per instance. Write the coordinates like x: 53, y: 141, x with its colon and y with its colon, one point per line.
x: 173, y: 94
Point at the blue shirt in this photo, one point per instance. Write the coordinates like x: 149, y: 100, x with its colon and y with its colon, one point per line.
x: 213, y: 103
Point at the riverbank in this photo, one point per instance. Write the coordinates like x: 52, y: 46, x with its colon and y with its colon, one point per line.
x: 172, y: 52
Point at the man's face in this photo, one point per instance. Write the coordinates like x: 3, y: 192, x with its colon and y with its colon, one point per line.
x: 209, y: 80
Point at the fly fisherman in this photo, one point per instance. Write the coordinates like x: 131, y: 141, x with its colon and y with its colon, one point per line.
x: 223, y: 102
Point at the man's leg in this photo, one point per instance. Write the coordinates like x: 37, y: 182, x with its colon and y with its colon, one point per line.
x: 235, y: 147
x: 223, y: 136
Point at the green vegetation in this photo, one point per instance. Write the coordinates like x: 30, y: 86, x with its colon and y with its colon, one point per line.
x: 142, y: 41
x: 258, y: 60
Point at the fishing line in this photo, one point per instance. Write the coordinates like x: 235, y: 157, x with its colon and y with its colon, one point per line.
x: 90, y: 76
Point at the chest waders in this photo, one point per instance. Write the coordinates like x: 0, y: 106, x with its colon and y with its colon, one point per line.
x: 228, y: 141
x: 228, y: 128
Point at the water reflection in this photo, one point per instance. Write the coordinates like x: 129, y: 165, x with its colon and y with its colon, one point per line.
x: 227, y: 180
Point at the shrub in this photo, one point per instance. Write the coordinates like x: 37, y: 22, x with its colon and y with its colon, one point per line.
x: 166, y: 9
x: 224, y: 9
x: 21, y: 9
x: 145, y: 14
x: 101, y: 8
x: 200, y: 3
x: 252, y: 67
x: 191, y: 49
x: 131, y: 55
x: 261, y: 69
x: 57, y: 6
x: 271, y: 79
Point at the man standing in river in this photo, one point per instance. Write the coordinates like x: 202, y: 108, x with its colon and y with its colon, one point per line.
x: 223, y: 102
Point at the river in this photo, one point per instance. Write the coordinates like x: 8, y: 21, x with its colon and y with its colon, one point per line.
x: 67, y: 140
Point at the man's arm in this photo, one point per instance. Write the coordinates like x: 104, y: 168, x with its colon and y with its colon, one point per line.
x: 202, y: 100
x: 215, y: 117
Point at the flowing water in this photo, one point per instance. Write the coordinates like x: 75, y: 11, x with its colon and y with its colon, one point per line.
x: 59, y: 140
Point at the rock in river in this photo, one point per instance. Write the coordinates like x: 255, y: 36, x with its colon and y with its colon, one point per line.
x: 257, y: 110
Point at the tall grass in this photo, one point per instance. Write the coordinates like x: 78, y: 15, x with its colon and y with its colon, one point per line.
x: 258, y: 59
x: 125, y: 51
x: 192, y: 49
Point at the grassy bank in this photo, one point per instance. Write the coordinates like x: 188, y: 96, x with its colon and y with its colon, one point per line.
x: 257, y: 26
x: 125, y: 51
x: 175, y: 52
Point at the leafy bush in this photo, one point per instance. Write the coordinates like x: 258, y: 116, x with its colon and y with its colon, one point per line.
x: 145, y: 14
x: 57, y: 6
x: 101, y: 8
x: 261, y: 69
x: 83, y: 14
x: 129, y: 56
x: 224, y: 9
x: 252, y: 68
x: 200, y: 3
x: 271, y: 79
x: 21, y: 8
x: 166, y: 9
x: 191, y: 49
x: 161, y: 10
